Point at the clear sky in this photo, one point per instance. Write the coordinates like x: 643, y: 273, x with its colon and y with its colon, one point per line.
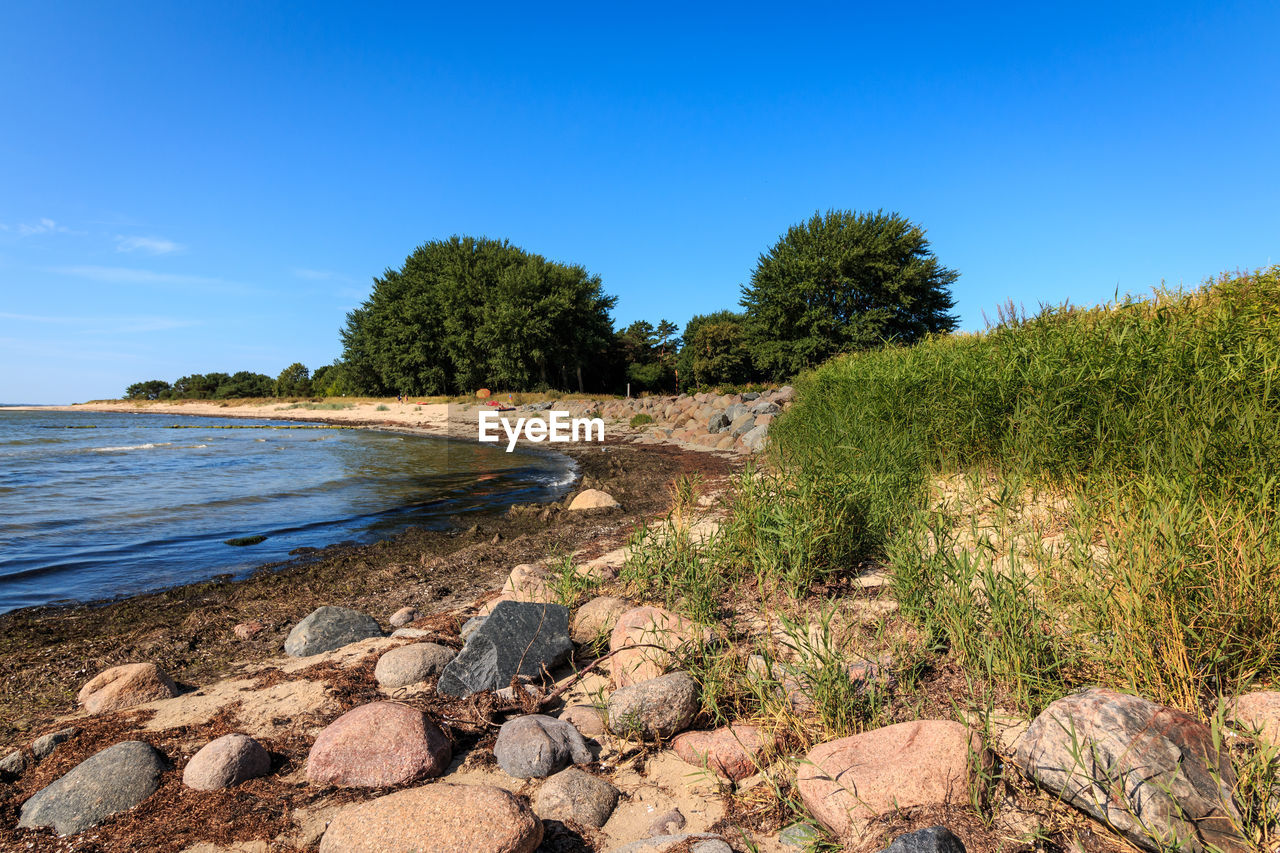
x: 211, y: 186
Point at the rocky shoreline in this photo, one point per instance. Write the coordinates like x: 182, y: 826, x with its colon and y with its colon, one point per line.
x: 566, y: 710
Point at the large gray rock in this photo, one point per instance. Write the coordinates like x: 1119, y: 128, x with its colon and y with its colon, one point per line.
x: 412, y: 664
x: 12, y: 765
x: 764, y: 407
x: 719, y: 422
x: 535, y: 746
x: 1151, y: 772
x: 754, y: 438
x: 517, y: 638
x: 576, y: 797
x: 657, y: 708
x: 931, y: 839
x: 742, y: 425
x: 329, y: 628
x: 114, y: 780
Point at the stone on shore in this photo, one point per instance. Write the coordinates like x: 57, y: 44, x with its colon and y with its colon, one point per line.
x: 645, y: 628
x: 328, y: 628
x: 698, y: 842
x: 535, y: 746
x: 931, y: 839
x: 126, y: 686
x: 668, y: 823
x: 43, y: 746
x: 732, y: 751
x: 654, y: 709
x: 248, y: 630
x: 439, y: 817
x: 587, y: 719
x: 1150, y: 771
x: 379, y: 744
x: 1258, y: 712
x: 592, y: 499
x: 112, y: 781
x: 577, y: 797
x: 404, y: 616
x: 845, y: 783
x: 597, y: 617
x: 412, y: 664
x: 517, y: 638
x: 12, y: 765
x: 528, y: 582
x: 225, y: 762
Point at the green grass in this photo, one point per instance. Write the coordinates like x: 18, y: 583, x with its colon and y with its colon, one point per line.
x: 641, y: 419
x: 1157, y: 424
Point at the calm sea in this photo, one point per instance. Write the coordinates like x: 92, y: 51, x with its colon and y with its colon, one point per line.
x: 96, y: 505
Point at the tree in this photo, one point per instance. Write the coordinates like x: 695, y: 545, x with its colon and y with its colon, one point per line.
x: 294, y: 381
x: 469, y: 312
x: 648, y: 354
x: 714, y: 351
x: 243, y: 383
x: 841, y: 282
x: 149, y: 390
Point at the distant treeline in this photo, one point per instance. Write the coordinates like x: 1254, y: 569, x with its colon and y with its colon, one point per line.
x: 469, y: 312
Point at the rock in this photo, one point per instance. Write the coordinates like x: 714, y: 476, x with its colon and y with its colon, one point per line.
x: 719, y: 422
x: 438, y: 817
x: 112, y: 781
x: 587, y: 719
x: 248, y: 630
x: 742, y: 425
x: 126, y: 686
x: 517, y: 638
x: 1149, y: 771
x: 667, y: 823
x: 226, y: 761
x: 43, y: 746
x: 846, y: 782
x: 749, y: 396
x: 577, y: 797
x: 1258, y: 712
x: 412, y: 664
x: 732, y: 752
x: 653, y: 709
x: 597, y: 617
x: 12, y: 765
x: 593, y: 499
x: 528, y: 582
x: 404, y: 616
x: 932, y: 839
x: 754, y: 438
x: 764, y: 407
x: 700, y: 842
x: 379, y: 744
x: 784, y: 395
x: 535, y: 746
x: 329, y: 628
x: 645, y: 627
x: 410, y: 634
x: 800, y: 835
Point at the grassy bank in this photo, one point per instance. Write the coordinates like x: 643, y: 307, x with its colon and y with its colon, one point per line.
x: 1080, y: 496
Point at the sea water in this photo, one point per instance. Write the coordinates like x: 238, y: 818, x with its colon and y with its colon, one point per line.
x: 98, y: 505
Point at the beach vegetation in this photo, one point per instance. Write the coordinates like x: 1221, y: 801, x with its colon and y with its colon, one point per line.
x: 714, y: 351
x: 152, y: 389
x: 294, y: 381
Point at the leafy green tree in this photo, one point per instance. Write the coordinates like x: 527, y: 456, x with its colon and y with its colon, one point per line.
x: 648, y: 354
x: 294, y: 381
x: 469, y: 312
x: 152, y: 389
x: 246, y: 384
x: 197, y: 386
x: 841, y: 282
x: 715, y: 351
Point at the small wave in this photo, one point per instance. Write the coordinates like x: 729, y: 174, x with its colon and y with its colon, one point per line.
x: 130, y: 447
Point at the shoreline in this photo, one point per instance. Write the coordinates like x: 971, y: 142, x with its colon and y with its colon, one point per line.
x: 436, y: 570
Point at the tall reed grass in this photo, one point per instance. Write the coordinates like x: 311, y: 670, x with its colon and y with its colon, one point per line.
x: 1158, y: 420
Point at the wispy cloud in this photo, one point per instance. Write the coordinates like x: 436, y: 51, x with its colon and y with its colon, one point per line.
x: 44, y: 226
x: 149, y: 245
x: 316, y: 275
x: 106, y: 325
x: 128, y: 275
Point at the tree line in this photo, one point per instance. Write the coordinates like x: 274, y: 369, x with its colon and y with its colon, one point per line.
x: 471, y: 312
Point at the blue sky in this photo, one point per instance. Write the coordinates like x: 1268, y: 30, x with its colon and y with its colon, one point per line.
x: 190, y: 187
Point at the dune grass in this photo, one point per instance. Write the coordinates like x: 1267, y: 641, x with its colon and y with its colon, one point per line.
x: 1125, y: 463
